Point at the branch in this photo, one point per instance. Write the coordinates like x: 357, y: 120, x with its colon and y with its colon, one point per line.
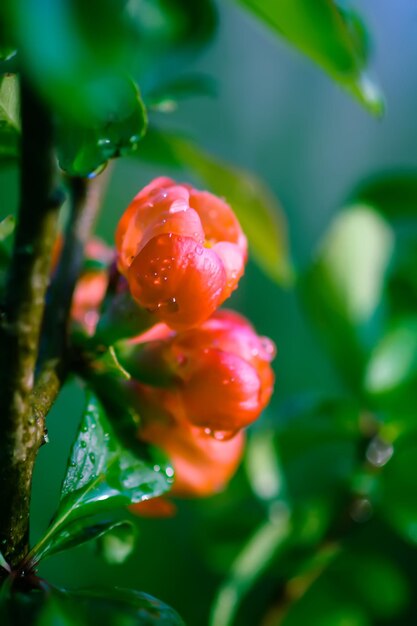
x: 21, y: 321
x: 55, y: 359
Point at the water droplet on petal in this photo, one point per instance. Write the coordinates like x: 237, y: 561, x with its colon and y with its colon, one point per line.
x: 268, y: 347
x: 224, y: 435
x: 172, y: 305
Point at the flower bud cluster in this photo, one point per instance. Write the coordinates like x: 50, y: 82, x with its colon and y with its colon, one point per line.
x: 200, y: 374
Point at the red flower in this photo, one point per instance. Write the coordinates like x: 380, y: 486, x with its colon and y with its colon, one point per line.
x: 203, y: 466
x: 181, y: 250
x: 217, y: 377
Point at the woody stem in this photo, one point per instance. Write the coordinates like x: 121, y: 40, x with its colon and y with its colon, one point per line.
x: 21, y: 319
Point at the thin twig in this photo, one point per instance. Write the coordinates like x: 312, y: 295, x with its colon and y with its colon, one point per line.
x: 86, y: 196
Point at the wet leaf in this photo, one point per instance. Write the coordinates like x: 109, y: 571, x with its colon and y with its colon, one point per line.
x: 259, y: 213
x: 84, y: 149
x: 80, y: 531
x: 333, y: 38
x: 101, y: 476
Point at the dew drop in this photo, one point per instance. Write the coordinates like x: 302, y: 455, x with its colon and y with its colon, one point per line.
x: 171, y: 305
x: 83, y: 444
x: 224, y: 435
x: 220, y: 435
x: 156, y: 468
x: 169, y: 472
x: 379, y: 452
x: 268, y: 347
x: 92, y: 457
x: 134, y: 139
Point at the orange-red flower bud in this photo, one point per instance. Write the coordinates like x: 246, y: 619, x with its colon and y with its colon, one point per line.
x: 218, y: 375
x: 203, y: 466
x: 181, y: 250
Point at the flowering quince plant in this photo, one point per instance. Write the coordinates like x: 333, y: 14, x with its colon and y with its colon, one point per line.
x: 174, y: 382
x: 200, y: 376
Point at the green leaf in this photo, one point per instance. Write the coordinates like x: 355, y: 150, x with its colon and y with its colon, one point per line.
x: 393, y: 194
x: 80, y: 531
x: 56, y: 612
x: 7, y: 227
x: 333, y: 38
x: 398, y: 496
x: 118, y: 543
x: 343, y: 288
x: 9, y: 118
x: 113, y: 607
x: 4, y: 564
x: 84, y: 148
x: 76, y: 54
x: 101, y: 476
x: 108, y: 607
x: 169, y: 25
x: 333, y: 596
x: 393, y: 362
x: 255, y: 557
x: 68, y: 47
x: 258, y: 211
x: 165, y: 97
x: 263, y: 467
x: 315, y: 442
x: 110, y: 364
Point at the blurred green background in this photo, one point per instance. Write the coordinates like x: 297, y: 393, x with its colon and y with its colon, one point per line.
x: 278, y: 115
